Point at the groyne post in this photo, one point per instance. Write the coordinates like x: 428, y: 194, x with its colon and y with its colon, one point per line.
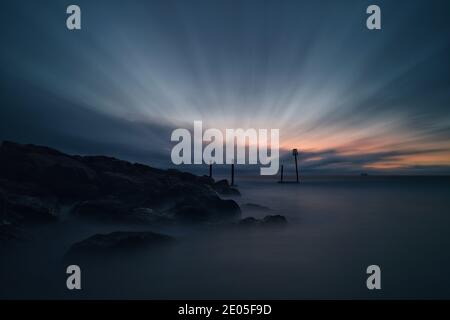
x: 295, y: 153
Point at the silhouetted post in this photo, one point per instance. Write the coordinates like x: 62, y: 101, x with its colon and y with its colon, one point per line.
x: 3, y: 216
x: 210, y: 169
x: 295, y: 153
x: 282, y: 167
x: 232, y: 174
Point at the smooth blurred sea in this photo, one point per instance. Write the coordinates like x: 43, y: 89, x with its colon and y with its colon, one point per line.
x: 337, y: 227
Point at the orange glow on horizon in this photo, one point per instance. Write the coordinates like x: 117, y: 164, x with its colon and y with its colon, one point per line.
x: 411, y: 152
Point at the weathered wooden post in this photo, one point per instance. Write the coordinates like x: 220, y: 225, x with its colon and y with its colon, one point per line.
x: 232, y: 174
x: 281, y: 180
x: 3, y: 210
x: 210, y: 169
x: 295, y: 154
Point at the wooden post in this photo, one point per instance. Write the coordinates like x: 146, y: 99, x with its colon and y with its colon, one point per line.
x: 210, y: 170
x: 232, y: 174
x: 295, y: 153
x: 3, y: 210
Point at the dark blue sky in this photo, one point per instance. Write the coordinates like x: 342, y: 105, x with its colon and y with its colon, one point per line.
x: 351, y: 99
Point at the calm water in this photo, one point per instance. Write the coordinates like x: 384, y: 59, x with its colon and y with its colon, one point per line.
x: 337, y: 227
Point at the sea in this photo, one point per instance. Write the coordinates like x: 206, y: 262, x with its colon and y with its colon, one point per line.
x: 337, y: 227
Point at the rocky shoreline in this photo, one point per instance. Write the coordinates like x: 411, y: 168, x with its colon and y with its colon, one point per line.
x: 36, y: 182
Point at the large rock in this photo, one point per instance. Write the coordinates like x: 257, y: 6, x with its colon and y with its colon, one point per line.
x: 52, y: 170
x: 105, y: 187
x: 206, y: 209
x: 9, y: 232
x: 2, y: 206
x: 223, y: 187
x: 27, y: 209
x: 114, y: 210
x: 118, y: 241
x: 102, y: 209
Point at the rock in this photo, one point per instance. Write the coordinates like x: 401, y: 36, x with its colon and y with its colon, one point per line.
x: 9, y: 232
x: 2, y: 205
x: 24, y: 188
x: 152, y: 216
x: 198, y: 203
x: 117, y: 241
x: 106, y: 188
x: 202, y: 212
x: 114, y: 210
x: 275, y: 220
x: 61, y: 174
x: 256, y: 207
x: 100, y: 209
x: 205, y: 209
x: 206, y: 180
x: 27, y: 209
x: 223, y: 187
x: 250, y: 221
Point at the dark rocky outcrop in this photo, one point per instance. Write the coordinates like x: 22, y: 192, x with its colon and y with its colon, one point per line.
x: 8, y: 232
x: 255, y: 207
x: 204, y: 209
x: 119, y: 240
x: 2, y: 206
x: 29, y: 209
x: 249, y: 222
x: 223, y: 187
x: 35, y: 181
x: 115, y: 210
x: 267, y: 221
x: 274, y: 220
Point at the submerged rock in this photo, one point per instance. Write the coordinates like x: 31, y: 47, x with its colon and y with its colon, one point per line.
x: 256, y: 207
x: 250, y: 221
x: 117, y: 241
x: 273, y: 220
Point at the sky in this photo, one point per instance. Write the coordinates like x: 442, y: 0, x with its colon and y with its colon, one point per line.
x: 350, y: 99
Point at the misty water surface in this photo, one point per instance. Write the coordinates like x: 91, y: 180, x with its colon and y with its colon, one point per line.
x: 337, y: 227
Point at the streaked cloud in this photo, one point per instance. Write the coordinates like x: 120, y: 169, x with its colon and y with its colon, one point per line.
x: 351, y: 99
